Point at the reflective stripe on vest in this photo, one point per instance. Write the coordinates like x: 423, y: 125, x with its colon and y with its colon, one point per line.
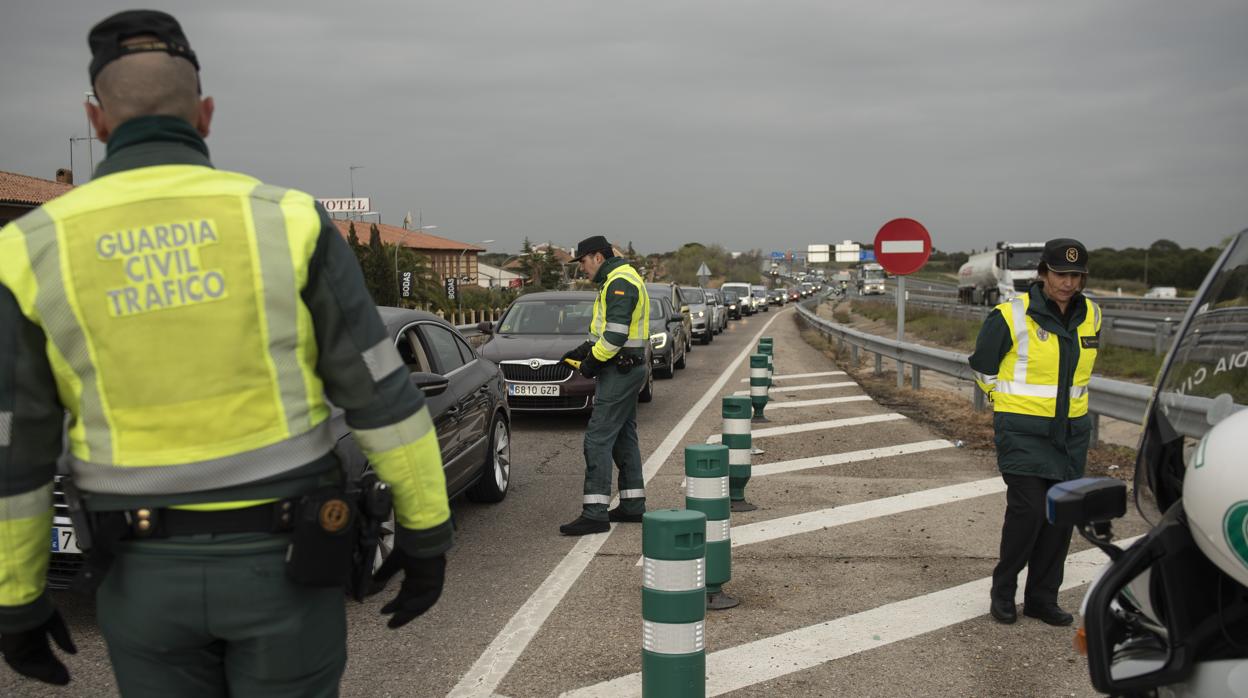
x: 1026, y: 382
x: 179, y: 342
x: 638, y: 330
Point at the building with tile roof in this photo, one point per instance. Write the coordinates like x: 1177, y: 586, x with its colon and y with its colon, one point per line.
x: 446, y: 257
x: 21, y: 193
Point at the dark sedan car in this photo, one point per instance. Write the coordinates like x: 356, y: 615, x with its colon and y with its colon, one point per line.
x: 732, y: 302
x: 466, y: 398
x: 667, y: 331
x: 528, y: 343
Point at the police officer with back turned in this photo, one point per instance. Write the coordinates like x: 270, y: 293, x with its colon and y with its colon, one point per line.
x: 1034, y: 359
x: 615, y: 355
x: 191, y: 322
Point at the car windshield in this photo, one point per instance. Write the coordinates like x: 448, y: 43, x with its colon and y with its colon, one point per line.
x: 1023, y: 259
x: 873, y: 274
x: 730, y: 296
x: 760, y: 294
x: 692, y: 294
x: 564, y: 316
x: 1204, y: 381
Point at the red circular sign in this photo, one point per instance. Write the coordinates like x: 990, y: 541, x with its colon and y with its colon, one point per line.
x: 902, y: 246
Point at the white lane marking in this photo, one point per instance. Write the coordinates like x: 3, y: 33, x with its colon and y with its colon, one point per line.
x: 788, y: 466
x: 812, y: 521
x: 502, y: 653
x: 771, y: 658
x: 791, y: 376
x: 815, y: 426
x: 901, y: 246
x: 821, y: 519
x: 816, y: 403
x: 820, y: 386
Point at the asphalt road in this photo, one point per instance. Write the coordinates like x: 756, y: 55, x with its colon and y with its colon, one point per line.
x: 874, y: 588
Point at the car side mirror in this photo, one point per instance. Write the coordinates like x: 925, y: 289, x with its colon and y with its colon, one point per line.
x: 486, y: 327
x: 1088, y: 500
x: 431, y: 383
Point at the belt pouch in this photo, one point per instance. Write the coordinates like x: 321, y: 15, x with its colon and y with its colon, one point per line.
x: 322, y: 540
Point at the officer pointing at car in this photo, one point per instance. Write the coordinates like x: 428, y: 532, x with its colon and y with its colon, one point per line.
x: 191, y: 322
x: 615, y: 355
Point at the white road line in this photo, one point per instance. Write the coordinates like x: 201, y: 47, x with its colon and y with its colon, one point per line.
x: 812, y: 521
x: 791, y: 376
x: 771, y: 658
x: 820, y: 386
x: 788, y: 466
x: 816, y: 403
x: 502, y: 653
x: 815, y: 426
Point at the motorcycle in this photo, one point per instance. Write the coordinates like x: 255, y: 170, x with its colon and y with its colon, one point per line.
x: 1168, y: 615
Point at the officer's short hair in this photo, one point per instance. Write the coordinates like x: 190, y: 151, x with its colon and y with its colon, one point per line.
x: 148, y: 84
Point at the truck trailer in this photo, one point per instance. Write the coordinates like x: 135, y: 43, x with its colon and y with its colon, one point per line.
x: 995, y: 276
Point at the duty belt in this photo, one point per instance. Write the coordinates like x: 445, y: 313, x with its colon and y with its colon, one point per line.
x: 145, y: 523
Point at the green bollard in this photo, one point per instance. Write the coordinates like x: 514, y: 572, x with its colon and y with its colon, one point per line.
x: 706, y: 490
x: 758, y: 385
x: 736, y: 436
x: 673, y: 604
x: 766, y: 348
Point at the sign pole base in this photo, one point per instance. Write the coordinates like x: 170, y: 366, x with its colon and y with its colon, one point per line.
x: 742, y: 505
x: 720, y: 601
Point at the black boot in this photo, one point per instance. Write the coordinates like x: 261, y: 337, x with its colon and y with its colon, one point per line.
x: 1048, y: 613
x: 619, y: 515
x: 582, y: 526
x: 1003, y: 611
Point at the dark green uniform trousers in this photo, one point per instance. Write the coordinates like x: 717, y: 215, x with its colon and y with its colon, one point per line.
x: 612, y: 437
x: 216, y: 616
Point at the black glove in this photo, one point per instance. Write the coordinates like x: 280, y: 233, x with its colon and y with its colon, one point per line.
x: 29, y: 653
x: 590, y: 366
x: 422, y: 585
x: 579, y: 353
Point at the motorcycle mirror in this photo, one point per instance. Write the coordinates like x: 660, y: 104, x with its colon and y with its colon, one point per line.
x: 1086, y: 500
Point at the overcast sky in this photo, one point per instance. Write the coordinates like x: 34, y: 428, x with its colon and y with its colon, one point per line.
x: 754, y: 124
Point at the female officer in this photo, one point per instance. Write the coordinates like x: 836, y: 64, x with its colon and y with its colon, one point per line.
x: 1034, y: 358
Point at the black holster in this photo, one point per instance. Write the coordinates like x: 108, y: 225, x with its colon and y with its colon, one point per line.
x: 376, y: 503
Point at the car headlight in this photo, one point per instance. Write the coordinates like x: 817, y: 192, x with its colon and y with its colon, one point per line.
x: 699, y: 314
x: 733, y: 306
x: 659, y: 340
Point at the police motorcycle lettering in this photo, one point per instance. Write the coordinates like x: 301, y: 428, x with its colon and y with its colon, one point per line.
x: 160, y: 267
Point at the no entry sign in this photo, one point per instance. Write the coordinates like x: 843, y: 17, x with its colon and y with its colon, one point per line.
x: 902, y: 246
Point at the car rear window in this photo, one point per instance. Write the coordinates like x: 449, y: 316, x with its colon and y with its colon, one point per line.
x: 692, y: 295
x: 548, y: 317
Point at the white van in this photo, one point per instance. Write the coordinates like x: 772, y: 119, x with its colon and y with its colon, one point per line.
x: 742, y: 290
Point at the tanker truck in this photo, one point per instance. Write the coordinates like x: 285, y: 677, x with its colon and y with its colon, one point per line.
x: 998, y: 275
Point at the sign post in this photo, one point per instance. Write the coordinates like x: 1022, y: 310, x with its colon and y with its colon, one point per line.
x: 902, y: 247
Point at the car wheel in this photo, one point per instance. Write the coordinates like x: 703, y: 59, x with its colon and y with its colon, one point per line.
x: 647, y: 393
x: 385, y: 542
x: 496, y: 472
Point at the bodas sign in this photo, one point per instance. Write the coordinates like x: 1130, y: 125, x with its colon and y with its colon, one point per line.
x: 359, y: 204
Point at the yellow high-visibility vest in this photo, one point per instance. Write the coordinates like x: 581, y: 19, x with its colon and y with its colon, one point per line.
x: 638, y: 329
x: 179, y: 343
x: 1027, y: 381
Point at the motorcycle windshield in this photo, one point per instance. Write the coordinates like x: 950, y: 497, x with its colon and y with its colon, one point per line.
x: 1204, y: 380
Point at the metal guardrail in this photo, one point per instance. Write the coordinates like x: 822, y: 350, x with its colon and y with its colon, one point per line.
x: 1123, y: 328
x: 1111, y: 398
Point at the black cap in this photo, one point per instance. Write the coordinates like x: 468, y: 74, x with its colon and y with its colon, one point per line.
x: 590, y: 245
x: 106, y: 38
x: 1064, y: 255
